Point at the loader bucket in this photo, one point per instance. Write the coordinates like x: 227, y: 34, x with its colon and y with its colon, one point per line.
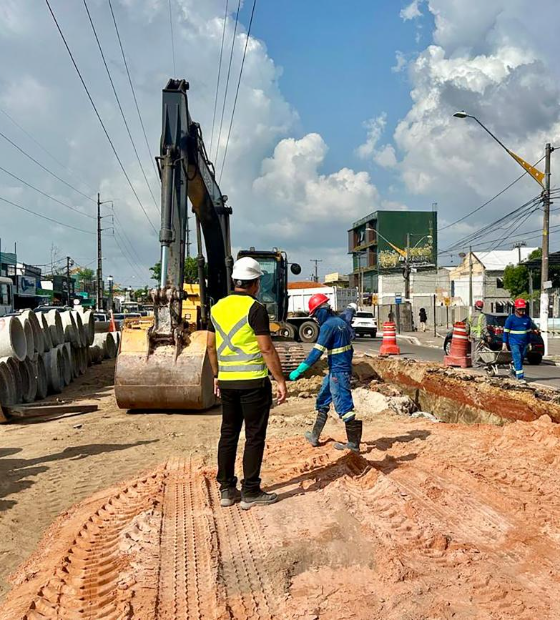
x: 156, y: 381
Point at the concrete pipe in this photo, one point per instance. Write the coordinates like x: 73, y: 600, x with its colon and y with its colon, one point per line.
x: 82, y: 360
x: 28, y: 381
x: 38, y: 338
x: 69, y: 325
x: 66, y: 349
x: 89, y: 325
x: 107, y: 344
x: 96, y: 354
x: 47, y: 340
x: 28, y: 331
x: 55, y: 327
x: 80, y: 329
x: 13, y: 342
x: 117, y: 338
x: 42, y: 379
x: 13, y: 365
x: 54, y: 361
x: 9, y: 393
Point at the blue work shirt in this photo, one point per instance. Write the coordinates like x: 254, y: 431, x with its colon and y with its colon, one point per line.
x: 348, y: 316
x: 335, y: 339
x: 517, y: 330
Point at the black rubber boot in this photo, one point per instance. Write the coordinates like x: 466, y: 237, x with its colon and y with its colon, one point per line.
x: 313, y: 436
x: 354, y: 435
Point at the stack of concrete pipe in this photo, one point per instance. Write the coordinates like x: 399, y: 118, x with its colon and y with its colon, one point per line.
x: 41, y: 353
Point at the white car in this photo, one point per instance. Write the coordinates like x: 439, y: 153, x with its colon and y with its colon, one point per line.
x: 364, y: 324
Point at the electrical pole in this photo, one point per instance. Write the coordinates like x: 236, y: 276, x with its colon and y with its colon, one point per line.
x: 407, y: 269
x: 470, y: 281
x: 99, y: 287
x: 68, y: 264
x: 316, y: 261
x: 545, y: 249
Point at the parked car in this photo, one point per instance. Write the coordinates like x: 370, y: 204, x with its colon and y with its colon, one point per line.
x: 364, y: 324
x: 495, y: 324
x: 100, y: 316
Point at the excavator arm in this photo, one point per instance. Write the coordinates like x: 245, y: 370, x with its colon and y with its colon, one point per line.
x: 163, y: 363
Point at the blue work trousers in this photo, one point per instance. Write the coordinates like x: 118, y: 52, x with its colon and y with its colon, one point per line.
x: 518, y: 355
x: 336, y: 389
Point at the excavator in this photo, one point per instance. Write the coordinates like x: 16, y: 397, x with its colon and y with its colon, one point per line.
x: 163, y: 362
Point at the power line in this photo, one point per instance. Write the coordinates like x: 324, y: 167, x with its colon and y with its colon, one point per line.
x: 99, y: 117
x: 227, y: 79
x: 44, y: 217
x: 237, y: 90
x: 133, y: 91
x: 46, y: 195
x: 125, y: 256
x: 45, y: 150
x: 172, y: 39
x: 44, y: 167
x: 219, y: 74
x: 119, y: 102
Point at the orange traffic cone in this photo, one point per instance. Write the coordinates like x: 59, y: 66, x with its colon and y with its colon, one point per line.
x: 459, y: 353
x: 112, y: 324
x: 389, y: 345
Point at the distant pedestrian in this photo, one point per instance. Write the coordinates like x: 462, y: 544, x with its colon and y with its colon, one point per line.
x: 517, y: 334
x: 423, y: 319
x: 391, y: 316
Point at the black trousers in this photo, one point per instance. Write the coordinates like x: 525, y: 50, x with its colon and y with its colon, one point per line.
x: 251, y: 406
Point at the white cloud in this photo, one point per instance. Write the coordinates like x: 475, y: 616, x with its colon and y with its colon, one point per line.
x: 401, y: 62
x: 384, y: 156
x: 411, y: 11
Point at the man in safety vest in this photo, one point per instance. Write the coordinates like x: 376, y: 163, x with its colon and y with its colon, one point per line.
x: 335, y: 339
x: 477, y: 327
x: 517, y: 334
x: 241, y: 354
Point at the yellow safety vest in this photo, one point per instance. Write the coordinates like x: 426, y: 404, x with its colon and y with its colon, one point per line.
x: 239, y: 356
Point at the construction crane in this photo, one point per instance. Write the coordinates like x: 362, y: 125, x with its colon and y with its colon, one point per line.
x: 163, y: 362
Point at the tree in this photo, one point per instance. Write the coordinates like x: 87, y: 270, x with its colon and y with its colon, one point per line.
x: 516, y: 280
x: 191, y: 271
x: 87, y: 275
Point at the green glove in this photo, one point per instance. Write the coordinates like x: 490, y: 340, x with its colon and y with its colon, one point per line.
x: 296, y: 374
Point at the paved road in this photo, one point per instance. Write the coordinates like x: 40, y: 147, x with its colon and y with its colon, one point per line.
x: 546, y: 373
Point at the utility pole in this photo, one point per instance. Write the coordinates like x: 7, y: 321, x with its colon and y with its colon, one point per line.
x: 545, y: 249
x: 316, y: 261
x: 470, y: 281
x: 68, y: 265
x: 407, y: 269
x: 99, y: 287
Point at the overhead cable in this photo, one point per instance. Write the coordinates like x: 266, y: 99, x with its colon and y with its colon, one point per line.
x: 44, y: 217
x: 227, y: 79
x: 133, y: 91
x: 119, y: 102
x: 237, y: 90
x: 45, y: 168
x: 47, y: 195
x: 99, y: 117
x: 219, y: 74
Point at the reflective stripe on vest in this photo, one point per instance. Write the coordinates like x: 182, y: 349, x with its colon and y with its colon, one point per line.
x: 340, y: 350
x: 239, y: 355
x: 477, y: 329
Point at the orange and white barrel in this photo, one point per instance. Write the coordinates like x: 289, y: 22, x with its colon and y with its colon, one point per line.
x: 389, y: 345
x: 459, y: 354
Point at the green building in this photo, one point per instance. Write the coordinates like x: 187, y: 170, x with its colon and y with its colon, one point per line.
x: 380, y: 241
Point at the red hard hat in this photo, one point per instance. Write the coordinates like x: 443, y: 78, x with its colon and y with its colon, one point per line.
x: 520, y: 303
x: 317, y: 300
x: 479, y: 304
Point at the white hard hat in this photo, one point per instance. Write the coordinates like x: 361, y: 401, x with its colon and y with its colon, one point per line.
x: 246, y: 268
x: 353, y: 306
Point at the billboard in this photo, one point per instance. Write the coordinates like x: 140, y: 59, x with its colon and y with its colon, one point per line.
x: 26, y: 286
x: 393, y: 228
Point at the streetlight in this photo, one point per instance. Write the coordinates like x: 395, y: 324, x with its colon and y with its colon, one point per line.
x: 538, y: 176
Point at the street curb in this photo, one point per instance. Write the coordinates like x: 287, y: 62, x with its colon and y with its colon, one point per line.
x: 417, y: 342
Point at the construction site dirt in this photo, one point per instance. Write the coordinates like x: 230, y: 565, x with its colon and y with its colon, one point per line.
x: 116, y: 515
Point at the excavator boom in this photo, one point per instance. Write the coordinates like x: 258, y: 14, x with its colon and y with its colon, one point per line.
x: 163, y: 363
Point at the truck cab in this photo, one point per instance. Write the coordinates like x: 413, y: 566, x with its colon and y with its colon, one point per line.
x: 6, y: 296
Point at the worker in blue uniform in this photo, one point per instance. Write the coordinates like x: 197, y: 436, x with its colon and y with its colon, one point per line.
x: 335, y: 339
x: 348, y: 315
x: 517, y: 335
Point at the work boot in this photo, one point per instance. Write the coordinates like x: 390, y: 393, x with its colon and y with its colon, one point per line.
x: 354, y: 435
x: 261, y: 499
x: 313, y: 436
x: 228, y: 497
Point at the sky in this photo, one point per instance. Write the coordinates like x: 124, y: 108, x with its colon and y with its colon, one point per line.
x: 343, y: 109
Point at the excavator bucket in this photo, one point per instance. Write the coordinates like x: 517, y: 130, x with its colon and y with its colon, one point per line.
x: 157, y: 380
